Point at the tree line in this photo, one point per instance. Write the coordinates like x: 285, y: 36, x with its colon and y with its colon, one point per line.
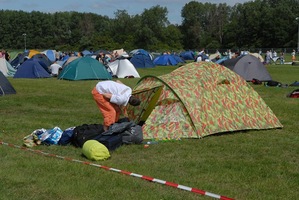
x: 254, y: 24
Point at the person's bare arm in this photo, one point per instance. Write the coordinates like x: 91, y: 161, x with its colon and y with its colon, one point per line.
x: 107, y: 95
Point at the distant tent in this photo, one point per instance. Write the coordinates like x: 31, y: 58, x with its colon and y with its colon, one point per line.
x: 123, y: 68
x: 43, y: 60
x: 140, y: 51
x: 65, y: 57
x: 248, y: 67
x: 178, y: 58
x: 197, y: 100
x: 31, y: 68
x: 86, y: 52
x: 19, y: 59
x: 50, y: 54
x: 187, y: 55
x: 6, y: 68
x: 68, y: 60
x: 258, y: 56
x: 84, y: 68
x: 13, y: 55
x: 32, y: 52
x: 142, y: 61
x: 5, y: 86
x: 165, y: 60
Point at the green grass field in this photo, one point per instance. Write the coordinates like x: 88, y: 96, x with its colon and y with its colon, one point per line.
x: 260, y: 164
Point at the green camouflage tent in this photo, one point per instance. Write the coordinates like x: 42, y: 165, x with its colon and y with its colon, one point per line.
x: 85, y: 68
x: 196, y: 100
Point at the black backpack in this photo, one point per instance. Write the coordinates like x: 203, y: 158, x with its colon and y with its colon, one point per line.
x: 85, y: 132
x: 273, y: 84
x: 122, y: 132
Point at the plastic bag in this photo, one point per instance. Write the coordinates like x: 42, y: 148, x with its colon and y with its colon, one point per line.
x: 50, y: 136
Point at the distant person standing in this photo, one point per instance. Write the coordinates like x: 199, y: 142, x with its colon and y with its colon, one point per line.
x: 281, y: 57
x: 230, y: 54
x: 294, y: 55
x: 55, y: 69
x: 268, y: 57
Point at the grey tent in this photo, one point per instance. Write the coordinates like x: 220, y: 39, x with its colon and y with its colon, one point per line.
x: 5, y: 86
x: 248, y: 67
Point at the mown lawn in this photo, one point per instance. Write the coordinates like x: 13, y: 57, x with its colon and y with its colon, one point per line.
x: 260, y: 164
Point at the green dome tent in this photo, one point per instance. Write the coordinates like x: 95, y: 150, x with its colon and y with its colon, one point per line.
x: 197, y: 100
x: 85, y: 68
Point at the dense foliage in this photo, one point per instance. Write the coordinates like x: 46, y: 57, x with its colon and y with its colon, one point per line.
x: 254, y: 24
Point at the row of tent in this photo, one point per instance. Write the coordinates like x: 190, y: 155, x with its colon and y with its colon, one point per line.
x: 122, y: 67
x: 197, y: 100
x: 248, y: 67
x: 33, y: 64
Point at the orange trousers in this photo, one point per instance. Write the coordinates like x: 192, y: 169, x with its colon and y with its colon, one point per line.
x: 110, y: 111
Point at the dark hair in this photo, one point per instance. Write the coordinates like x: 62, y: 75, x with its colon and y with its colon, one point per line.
x: 134, y: 101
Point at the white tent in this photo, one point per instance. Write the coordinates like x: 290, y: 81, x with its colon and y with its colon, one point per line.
x: 123, y: 68
x: 6, y: 68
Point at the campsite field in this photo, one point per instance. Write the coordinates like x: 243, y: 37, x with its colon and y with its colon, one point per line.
x: 260, y: 164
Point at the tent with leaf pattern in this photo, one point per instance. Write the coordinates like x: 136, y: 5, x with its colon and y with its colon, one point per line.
x: 197, y: 100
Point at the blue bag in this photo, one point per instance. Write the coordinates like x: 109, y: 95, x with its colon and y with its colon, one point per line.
x: 66, y: 136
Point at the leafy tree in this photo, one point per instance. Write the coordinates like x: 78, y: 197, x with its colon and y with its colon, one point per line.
x: 173, y: 37
x: 253, y: 24
x: 193, y: 24
x: 123, y: 27
x: 218, y: 20
x: 152, y: 23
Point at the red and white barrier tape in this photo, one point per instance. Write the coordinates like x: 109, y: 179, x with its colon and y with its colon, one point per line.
x: 175, y: 185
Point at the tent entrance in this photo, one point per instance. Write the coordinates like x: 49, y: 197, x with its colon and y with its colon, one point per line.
x: 156, y: 92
